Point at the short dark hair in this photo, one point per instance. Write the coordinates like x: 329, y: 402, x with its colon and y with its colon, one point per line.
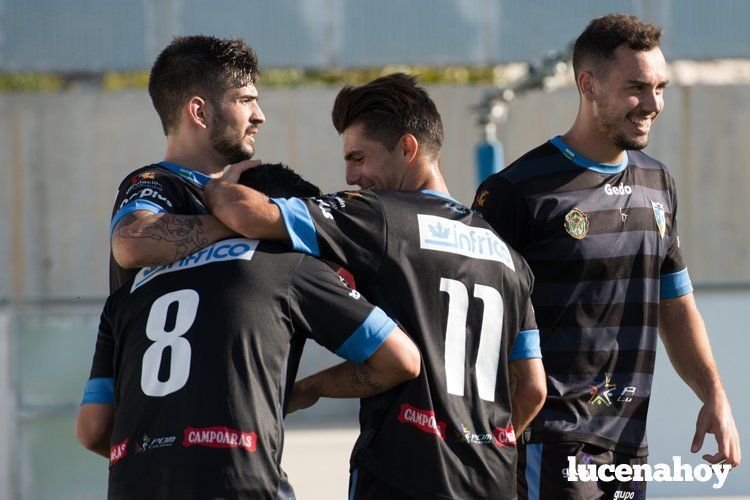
x: 594, y: 48
x: 198, y: 65
x: 389, y: 107
x: 278, y: 181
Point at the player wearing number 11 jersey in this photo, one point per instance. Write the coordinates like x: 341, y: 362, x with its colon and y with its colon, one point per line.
x: 195, y: 362
x: 436, y: 267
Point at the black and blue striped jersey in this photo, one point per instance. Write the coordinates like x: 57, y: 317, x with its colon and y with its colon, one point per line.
x: 199, y: 358
x: 602, y: 243
x: 159, y: 188
x: 463, y: 296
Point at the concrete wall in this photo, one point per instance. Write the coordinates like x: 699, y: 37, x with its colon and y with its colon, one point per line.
x: 63, y: 154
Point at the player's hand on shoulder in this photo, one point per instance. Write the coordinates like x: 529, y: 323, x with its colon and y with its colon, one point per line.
x: 232, y: 172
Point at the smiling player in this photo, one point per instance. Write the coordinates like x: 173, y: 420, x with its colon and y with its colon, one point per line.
x: 595, y: 219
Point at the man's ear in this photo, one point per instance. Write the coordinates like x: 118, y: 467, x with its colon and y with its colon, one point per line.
x: 586, y: 83
x: 196, y: 112
x: 409, y: 146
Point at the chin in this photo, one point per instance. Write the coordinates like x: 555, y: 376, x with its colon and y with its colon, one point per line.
x: 631, y: 143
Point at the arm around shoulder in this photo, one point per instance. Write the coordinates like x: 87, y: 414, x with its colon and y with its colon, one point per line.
x: 143, y: 239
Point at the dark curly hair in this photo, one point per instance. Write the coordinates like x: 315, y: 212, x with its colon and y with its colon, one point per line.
x: 199, y: 65
x: 594, y: 49
x: 389, y: 107
x: 278, y: 181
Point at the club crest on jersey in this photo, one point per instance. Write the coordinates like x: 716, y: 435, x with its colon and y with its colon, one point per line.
x: 577, y: 223
x: 661, y: 220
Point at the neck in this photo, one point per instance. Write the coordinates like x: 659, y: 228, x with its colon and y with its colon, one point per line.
x: 193, y: 154
x: 426, y: 176
x: 586, y: 139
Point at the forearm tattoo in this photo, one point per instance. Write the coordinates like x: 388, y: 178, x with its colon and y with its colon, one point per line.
x: 184, y: 234
x: 360, y: 377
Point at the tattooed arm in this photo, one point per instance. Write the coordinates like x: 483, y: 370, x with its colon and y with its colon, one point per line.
x: 143, y: 239
x: 396, y: 360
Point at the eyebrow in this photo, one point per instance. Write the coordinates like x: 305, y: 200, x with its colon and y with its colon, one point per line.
x: 349, y: 155
x: 647, y: 84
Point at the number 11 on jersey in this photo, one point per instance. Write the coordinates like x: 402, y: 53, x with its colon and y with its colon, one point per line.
x: 490, y: 338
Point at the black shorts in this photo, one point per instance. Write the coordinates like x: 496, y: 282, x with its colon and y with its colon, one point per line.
x: 364, y: 485
x: 542, y: 473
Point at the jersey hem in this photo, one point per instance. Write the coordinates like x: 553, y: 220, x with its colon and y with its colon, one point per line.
x: 364, y: 463
x: 541, y: 437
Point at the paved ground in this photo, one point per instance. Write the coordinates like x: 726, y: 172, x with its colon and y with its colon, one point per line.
x: 317, y: 461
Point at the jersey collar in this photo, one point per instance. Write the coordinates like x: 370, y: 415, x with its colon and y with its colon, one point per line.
x: 581, y: 161
x: 439, y: 195
x: 193, y: 176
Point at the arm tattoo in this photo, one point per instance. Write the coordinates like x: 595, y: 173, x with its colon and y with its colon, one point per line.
x: 184, y: 233
x: 360, y: 376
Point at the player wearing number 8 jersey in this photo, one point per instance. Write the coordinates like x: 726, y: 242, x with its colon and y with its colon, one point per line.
x: 195, y: 361
x: 436, y: 267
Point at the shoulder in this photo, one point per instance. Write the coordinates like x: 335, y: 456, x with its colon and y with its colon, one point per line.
x: 541, y: 160
x: 642, y: 160
x: 144, y: 174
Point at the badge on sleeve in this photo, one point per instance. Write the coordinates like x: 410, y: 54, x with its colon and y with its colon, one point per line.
x: 577, y: 223
x: 661, y: 220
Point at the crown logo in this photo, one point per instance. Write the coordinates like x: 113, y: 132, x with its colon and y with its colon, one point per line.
x: 439, y: 231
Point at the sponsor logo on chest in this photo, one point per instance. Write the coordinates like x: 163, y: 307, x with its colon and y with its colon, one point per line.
x: 620, y: 190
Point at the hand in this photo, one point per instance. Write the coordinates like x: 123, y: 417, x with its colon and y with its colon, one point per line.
x: 302, y: 396
x: 231, y: 173
x: 716, y: 418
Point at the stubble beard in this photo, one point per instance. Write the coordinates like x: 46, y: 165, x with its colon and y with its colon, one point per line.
x: 225, y: 142
x: 610, y: 125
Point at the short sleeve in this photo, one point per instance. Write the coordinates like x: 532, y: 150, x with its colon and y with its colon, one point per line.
x: 340, y: 319
x: 152, y: 189
x: 505, y: 209
x: 100, y: 386
x: 527, y: 345
x: 674, y: 280
x: 348, y: 228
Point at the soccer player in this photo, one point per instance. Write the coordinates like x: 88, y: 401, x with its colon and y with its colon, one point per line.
x: 437, y: 268
x: 203, y: 89
x: 195, y: 362
x: 595, y: 218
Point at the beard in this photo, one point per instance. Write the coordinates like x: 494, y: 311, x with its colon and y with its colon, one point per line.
x: 611, y: 124
x: 226, y: 142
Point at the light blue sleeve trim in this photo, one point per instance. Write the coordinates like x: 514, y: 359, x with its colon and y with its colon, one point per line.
x: 526, y: 346
x: 99, y: 390
x: 299, y: 225
x: 367, y: 337
x: 134, y: 206
x: 675, y: 285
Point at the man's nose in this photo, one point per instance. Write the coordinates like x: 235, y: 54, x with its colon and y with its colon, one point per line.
x: 258, y: 116
x: 352, y: 175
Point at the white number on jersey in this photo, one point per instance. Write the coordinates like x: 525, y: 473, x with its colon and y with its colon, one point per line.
x: 490, y: 337
x: 179, y: 367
